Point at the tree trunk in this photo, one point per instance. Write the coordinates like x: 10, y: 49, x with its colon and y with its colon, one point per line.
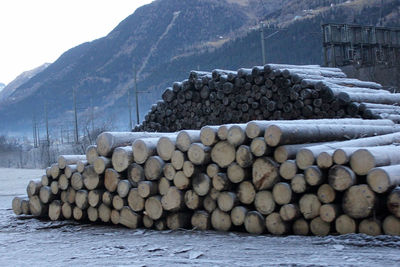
x: 309, y: 206
x: 192, y: 200
x: 123, y: 188
x: 65, y: 160
x: 135, y: 201
x: 275, y: 224
x: 289, y: 212
x: 104, y: 213
x: 393, y: 202
x: 363, y: 160
x: 101, y: 164
x: 265, y: 173
x: 129, y: 218
x: 282, y: 193
x: 220, y: 221
x: 173, y: 200
x: 359, y: 201
x: 226, y: 201
x: 298, y: 184
x: 55, y: 213
x: 153, y: 207
x: 201, y: 220
x: 391, y: 225
x: 91, y: 179
x: 320, y: 227
x: 111, y: 179
x: 69, y: 170
x: 91, y: 154
x: 254, y: 223
x: 185, y: 138
x: 153, y: 168
x: 199, y: 154
x: 121, y: 158
x: 288, y: 169
x: 264, y: 202
x: 144, y: 148
x: 165, y: 147
x: 181, y: 181
x: 208, y: 135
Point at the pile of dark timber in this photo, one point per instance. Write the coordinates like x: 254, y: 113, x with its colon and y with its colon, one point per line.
x: 270, y: 92
x: 280, y: 177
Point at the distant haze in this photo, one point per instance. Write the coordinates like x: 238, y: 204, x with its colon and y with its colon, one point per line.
x: 35, y: 32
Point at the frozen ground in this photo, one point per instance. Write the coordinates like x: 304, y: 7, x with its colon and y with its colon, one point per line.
x: 26, y: 241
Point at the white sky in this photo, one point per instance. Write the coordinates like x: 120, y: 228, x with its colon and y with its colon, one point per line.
x: 33, y: 32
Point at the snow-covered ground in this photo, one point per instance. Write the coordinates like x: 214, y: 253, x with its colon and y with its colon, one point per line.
x: 27, y: 241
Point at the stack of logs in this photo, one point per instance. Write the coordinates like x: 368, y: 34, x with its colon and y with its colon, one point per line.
x: 298, y: 177
x: 270, y: 92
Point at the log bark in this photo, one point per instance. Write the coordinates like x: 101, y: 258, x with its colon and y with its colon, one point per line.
x: 122, y: 157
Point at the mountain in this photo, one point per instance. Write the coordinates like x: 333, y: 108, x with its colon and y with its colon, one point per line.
x: 2, y: 85
x: 7, y: 93
x: 164, y: 40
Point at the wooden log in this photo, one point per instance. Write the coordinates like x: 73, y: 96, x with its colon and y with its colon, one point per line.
x: 54, y: 170
x: 221, y: 182
x: 173, y: 200
x: 48, y: 172
x: 165, y: 147
x: 101, y: 164
x: 246, y: 192
x: 129, y: 218
x: 69, y: 170
x: 178, y: 220
x: 237, y: 135
x: 212, y: 169
x: 169, y: 171
x: 161, y: 224
x: 107, y: 141
x: 223, y: 154
x: 288, y: 169
x: 185, y: 138
x: 391, y: 225
x: 114, y: 217
x: 37, y: 207
x: 314, y: 176
x: 192, y: 200
x: 79, y: 214
x: 91, y: 179
x: 208, y: 135
x: 104, y: 212
x: 201, y: 220
x: 95, y: 198
x: 143, y: 148
x: 309, y: 206
x: 370, y: 226
x: 55, y: 190
x: 91, y: 154
x: 111, y: 179
x: 325, y: 159
x: 244, y: 157
x: 163, y: 185
x: 189, y: 169
x: 135, y: 201
x: 329, y: 212
x: 66, y: 210
x: 259, y: 148
x: 46, y: 181
x: 118, y: 202
x: 290, y: 134
x: 363, y: 160
x: 326, y: 194
x: 177, y: 160
x: 63, y: 182
x: 63, y: 196
x: 45, y: 194
x: 17, y: 205
x: 33, y: 188
x: 275, y: 224
x: 135, y: 173
x: 237, y: 174
x: 341, y: 156
x: 122, y: 157
x: 25, y: 207
x: 65, y: 160
x: 81, y: 199
x: 153, y: 207
x: 199, y: 154
x: 55, y: 213
x: 153, y: 168
x: 107, y: 198
x: 147, y: 222
x: 359, y: 201
x: 306, y: 157
x: 282, y: 193
x: 341, y: 177
x: 238, y: 215
x: 226, y: 201
x: 123, y: 188
x: 147, y: 188
x: 289, y: 212
x: 265, y: 173
x: 81, y: 164
x: 220, y: 221
x: 71, y: 192
x: 298, y: 184
x: 300, y: 227
x: 254, y: 223
x: 181, y: 181
x: 393, y: 202
x: 319, y: 227
x: 209, y: 204
x: 344, y: 224
x: 264, y: 202
x: 201, y: 184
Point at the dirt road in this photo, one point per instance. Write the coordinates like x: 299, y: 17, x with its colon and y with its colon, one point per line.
x: 26, y: 241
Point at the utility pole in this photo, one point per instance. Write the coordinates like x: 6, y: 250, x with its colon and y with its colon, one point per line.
x: 136, y: 96
x: 75, y: 117
x: 262, y: 43
x: 34, y: 131
x: 130, y: 109
x: 92, y: 114
x: 47, y: 124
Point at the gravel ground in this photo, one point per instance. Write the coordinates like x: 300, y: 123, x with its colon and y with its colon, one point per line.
x: 24, y: 241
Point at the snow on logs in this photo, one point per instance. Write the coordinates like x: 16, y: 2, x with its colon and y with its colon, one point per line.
x: 277, y: 177
x: 270, y: 92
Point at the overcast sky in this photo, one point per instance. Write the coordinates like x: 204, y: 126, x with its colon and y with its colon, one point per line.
x: 33, y: 32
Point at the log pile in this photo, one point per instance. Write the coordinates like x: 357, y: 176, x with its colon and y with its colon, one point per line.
x: 270, y: 92
x: 277, y: 177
